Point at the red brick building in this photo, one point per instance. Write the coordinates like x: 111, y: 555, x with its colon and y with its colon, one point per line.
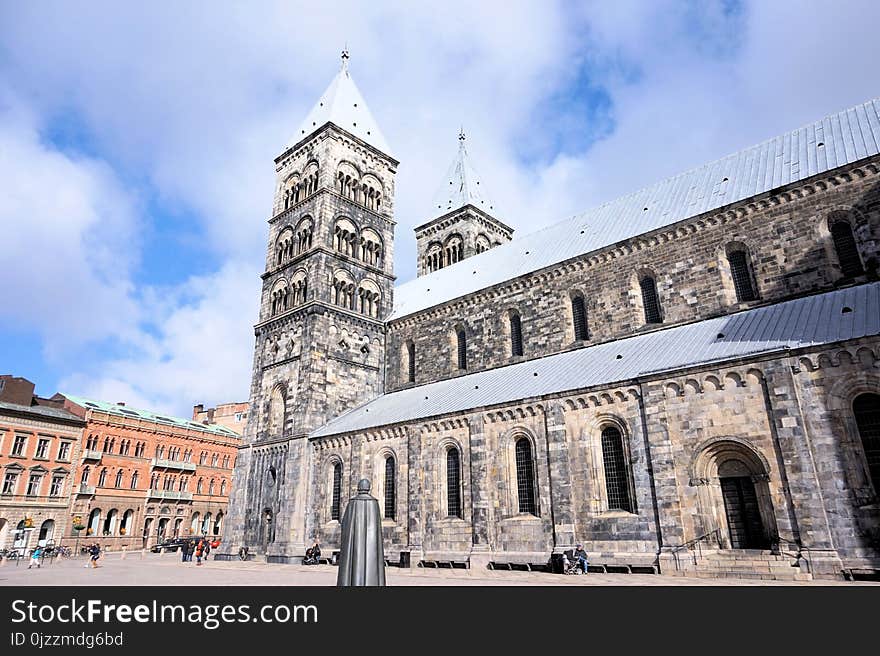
x: 145, y: 477
x: 230, y: 415
x: 39, y: 452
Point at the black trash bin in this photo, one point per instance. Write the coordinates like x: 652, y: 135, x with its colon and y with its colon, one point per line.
x: 557, y: 563
x: 404, y: 559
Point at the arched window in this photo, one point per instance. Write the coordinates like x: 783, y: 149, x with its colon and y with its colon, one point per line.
x: 411, y: 361
x: 616, y: 471
x: 134, y: 481
x: 276, y: 412
x: 846, y: 249
x: 336, y: 491
x: 453, y: 483
x: 579, y: 317
x: 84, y: 480
x: 211, y: 487
x: 741, y: 273
x: 650, y: 300
x: 390, y: 496
x: 102, y: 477
x: 199, y: 486
x: 223, y: 488
x: 866, y: 408
x: 118, y: 479
x: 516, y: 340
x: 525, y: 477
x: 461, y: 347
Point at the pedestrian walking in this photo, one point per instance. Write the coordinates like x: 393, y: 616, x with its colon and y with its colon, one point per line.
x: 200, y: 549
x: 35, y: 557
x: 94, y: 555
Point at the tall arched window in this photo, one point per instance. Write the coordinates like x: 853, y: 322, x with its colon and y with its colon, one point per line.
x: 84, y: 479
x: 579, y: 317
x: 390, y: 496
x: 846, y: 249
x: 411, y: 361
x: 616, y: 471
x: 461, y: 343
x: 102, y: 477
x: 118, y: 479
x: 516, y: 340
x: 741, y: 273
x: 866, y: 409
x: 650, y: 300
x: 525, y: 477
x: 134, y: 481
x: 336, y: 491
x: 453, y: 483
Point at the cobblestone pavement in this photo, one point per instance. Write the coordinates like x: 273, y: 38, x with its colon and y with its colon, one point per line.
x: 166, y: 569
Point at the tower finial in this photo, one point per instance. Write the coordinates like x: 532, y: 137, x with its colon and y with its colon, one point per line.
x: 461, y: 137
x: 345, y: 58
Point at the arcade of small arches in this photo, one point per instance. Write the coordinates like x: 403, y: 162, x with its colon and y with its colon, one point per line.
x: 292, y: 242
x: 367, y: 191
x: 364, y: 245
x: 449, y: 252
x: 285, y: 296
x: 296, y: 190
x: 364, y: 297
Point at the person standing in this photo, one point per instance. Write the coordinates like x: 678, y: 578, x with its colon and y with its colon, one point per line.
x: 35, y: 557
x: 207, y: 548
x: 200, y: 548
x: 184, y: 550
x: 94, y: 555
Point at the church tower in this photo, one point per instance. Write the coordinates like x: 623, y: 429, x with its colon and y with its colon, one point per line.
x: 326, y: 289
x: 466, y: 225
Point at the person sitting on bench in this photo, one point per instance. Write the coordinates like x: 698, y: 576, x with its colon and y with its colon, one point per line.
x: 580, y: 557
x: 313, y: 554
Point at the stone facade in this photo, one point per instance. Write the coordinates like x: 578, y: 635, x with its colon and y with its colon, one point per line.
x: 744, y: 467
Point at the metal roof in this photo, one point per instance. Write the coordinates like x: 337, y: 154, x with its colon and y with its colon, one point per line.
x: 836, y: 140
x: 809, y: 321
x: 134, y: 413
x: 462, y: 186
x: 47, y: 412
x: 343, y: 105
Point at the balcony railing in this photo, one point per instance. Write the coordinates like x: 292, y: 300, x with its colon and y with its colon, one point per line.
x: 90, y: 454
x: 173, y: 464
x: 86, y: 489
x: 32, y: 498
x: 170, y: 495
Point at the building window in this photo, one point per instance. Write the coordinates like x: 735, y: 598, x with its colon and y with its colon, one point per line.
x: 10, y: 482
x: 223, y: 488
x: 134, y: 481
x: 181, y: 486
x: 18, y: 445
x: 118, y: 482
x: 42, y: 449
x: 199, y: 486
x: 461, y: 342
x: 390, y: 496
x: 84, y: 479
x: 579, y: 317
x: 203, y: 457
x: 33, y: 486
x: 411, y: 362
x: 516, y: 340
x: 650, y: 300
x: 56, y: 486
x: 616, y: 474
x: 846, y: 249
x: 453, y: 483
x: 214, y: 460
x: 102, y: 478
x: 866, y: 409
x: 336, y: 491
x: 64, y: 451
x: 211, y: 488
x: 741, y: 273
x: 525, y: 477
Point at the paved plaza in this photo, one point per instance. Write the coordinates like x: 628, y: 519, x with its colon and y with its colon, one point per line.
x: 166, y: 569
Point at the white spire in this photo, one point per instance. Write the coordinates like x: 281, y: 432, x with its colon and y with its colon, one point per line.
x: 462, y: 186
x: 343, y: 105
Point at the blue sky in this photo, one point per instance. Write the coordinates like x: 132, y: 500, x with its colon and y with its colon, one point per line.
x: 137, y: 145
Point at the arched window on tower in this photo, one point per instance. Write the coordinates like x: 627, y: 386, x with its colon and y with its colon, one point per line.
x: 390, y: 491
x: 516, y: 338
x: 410, y: 361
x: 525, y: 477
x: 616, y: 470
x: 650, y: 299
x: 336, y: 491
x: 579, y: 317
x: 461, y: 347
x: 846, y: 248
x: 741, y: 272
x: 866, y: 408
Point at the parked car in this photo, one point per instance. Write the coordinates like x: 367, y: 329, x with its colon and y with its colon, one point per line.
x: 173, y: 544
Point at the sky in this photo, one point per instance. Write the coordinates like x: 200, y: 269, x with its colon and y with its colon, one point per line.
x: 137, y: 143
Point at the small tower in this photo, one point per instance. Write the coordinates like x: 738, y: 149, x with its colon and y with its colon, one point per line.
x: 466, y: 225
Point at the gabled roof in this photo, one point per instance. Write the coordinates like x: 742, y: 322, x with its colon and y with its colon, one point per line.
x: 134, y: 413
x: 343, y: 105
x: 834, y: 141
x: 804, y: 322
x: 46, y: 412
x: 461, y: 185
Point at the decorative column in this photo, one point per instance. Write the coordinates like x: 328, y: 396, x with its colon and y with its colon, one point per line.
x: 481, y: 551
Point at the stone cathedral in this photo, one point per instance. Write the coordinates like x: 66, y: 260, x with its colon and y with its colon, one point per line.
x: 685, y: 380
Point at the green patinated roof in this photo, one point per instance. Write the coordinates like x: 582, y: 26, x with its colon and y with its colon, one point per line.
x: 168, y: 420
